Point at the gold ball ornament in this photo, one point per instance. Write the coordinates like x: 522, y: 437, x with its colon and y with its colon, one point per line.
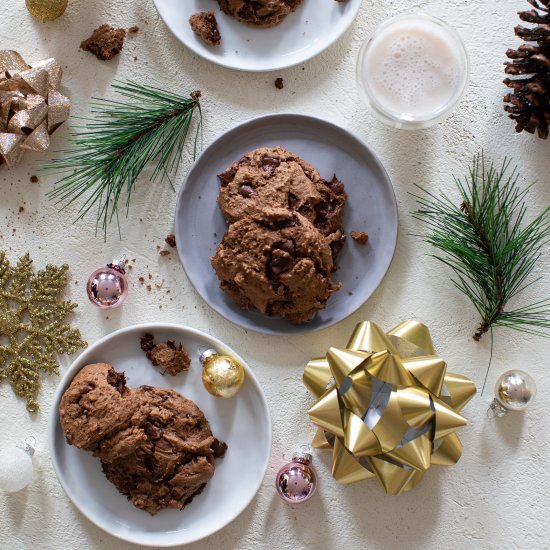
x: 222, y: 375
x: 46, y: 10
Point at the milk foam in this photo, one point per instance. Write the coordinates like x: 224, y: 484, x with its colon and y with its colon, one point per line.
x: 414, y: 69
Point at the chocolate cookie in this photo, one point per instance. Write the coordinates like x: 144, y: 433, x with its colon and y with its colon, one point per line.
x: 272, y: 177
x: 259, y: 13
x: 165, y: 456
x: 96, y: 405
x: 155, y: 445
x: 278, y: 263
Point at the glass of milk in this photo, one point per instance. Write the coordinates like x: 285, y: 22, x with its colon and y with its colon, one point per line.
x: 413, y: 71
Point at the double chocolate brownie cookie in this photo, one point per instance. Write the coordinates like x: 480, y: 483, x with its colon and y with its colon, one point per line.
x: 155, y: 445
x: 95, y: 406
x: 272, y: 177
x: 259, y: 13
x: 164, y: 456
x: 277, y: 262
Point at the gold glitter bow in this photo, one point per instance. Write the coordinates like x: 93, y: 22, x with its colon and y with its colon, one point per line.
x: 392, y: 410
x: 31, y: 106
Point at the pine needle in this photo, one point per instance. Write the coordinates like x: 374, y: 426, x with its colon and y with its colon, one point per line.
x: 108, y: 153
x: 486, y: 241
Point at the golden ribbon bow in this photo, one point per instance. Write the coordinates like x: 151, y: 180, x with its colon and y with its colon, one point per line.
x: 31, y: 106
x: 392, y: 410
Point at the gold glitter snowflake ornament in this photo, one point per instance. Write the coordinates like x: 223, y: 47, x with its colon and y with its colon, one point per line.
x: 32, y: 326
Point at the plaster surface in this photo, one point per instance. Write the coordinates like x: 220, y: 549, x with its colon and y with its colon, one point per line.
x: 498, y: 496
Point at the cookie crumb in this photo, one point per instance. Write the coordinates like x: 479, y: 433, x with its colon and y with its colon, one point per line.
x: 164, y: 252
x: 147, y: 342
x: 219, y: 448
x: 360, y: 236
x: 105, y: 42
x: 133, y: 29
x: 21, y: 209
x: 279, y: 83
x: 171, y: 240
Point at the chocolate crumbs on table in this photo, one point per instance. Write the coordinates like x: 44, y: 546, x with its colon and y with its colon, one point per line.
x: 105, y: 42
x: 171, y: 240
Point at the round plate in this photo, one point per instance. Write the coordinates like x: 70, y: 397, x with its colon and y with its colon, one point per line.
x: 371, y: 207
x: 242, y: 422
x: 312, y: 28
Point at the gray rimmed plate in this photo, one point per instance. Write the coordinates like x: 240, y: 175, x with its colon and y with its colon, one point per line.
x: 243, y: 422
x: 371, y: 207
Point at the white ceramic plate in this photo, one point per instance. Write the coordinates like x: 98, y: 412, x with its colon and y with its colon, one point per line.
x: 243, y: 422
x: 312, y: 28
x: 371, y: 207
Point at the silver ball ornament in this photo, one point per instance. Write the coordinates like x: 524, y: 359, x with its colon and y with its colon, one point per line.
x: 515, y: 390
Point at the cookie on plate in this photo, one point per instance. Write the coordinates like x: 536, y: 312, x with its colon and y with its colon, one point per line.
x: 272, y: 177
x: 277, y: 262
x: 155, y: 445
x: 259, y: 13
x: 96, y: 405
x: 164, y: 456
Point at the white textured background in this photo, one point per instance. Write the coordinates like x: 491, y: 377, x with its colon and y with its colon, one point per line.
x: 498, y: 496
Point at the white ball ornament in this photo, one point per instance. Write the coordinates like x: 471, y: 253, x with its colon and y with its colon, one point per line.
x: 16, y: 467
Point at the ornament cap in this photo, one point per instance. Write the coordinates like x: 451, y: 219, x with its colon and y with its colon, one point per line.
x: 28, y: 446
x: 206, y: 354
x: 118, y: 265
x: 498, y: 409
x: 304, y: 458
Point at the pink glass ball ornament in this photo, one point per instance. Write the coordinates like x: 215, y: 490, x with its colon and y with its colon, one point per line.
x: 107, y: 286
x: 296, y: 481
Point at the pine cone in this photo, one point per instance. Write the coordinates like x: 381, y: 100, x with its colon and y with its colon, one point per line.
x: 529, y: 101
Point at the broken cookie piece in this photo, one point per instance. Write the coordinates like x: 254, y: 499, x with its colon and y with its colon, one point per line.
x: 105, y: 42
x: 170, y: 240
x: 166, y: 355
x: 205, y: 26
x: 360, y: 236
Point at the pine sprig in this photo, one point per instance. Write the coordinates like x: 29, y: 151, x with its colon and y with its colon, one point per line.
x: 108, y: 153
x: 485, y: 240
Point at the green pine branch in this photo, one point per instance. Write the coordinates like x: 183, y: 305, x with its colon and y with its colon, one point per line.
x: 147, y: 126
x: 485, y: 239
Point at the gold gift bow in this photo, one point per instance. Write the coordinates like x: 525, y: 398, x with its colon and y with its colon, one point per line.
x: 31, y: 106
x: 392, y: 410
